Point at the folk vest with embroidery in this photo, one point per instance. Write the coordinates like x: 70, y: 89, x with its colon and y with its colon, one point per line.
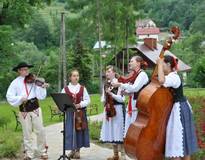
x: 80, y: 119
x: 76, y: 97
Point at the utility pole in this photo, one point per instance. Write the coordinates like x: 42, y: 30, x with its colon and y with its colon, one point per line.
x: 126, y: 39
x: 99, y: 41
x: 63, y: 48
x: 62, y: 56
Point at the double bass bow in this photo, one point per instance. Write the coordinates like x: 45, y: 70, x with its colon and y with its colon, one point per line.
x: 145, y: 138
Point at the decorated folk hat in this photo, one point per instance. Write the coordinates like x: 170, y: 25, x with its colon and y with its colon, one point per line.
x: 21, y: 65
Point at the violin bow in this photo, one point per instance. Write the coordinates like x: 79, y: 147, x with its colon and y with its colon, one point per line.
x: 38, y: 73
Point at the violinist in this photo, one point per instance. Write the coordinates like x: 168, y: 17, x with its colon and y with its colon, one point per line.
x: 26, y: 96
x: 132, y: 86
x: 113, y: 120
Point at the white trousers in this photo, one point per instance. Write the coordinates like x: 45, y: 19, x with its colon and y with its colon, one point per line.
x: 32, y: 121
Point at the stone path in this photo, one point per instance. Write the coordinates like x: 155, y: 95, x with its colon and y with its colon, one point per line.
x: 55, y: 143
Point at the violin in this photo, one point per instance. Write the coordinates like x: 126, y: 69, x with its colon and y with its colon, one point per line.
x: 31, y: 78
x: 109, y: 103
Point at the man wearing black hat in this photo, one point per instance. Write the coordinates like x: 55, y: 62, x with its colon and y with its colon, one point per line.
x: 26, y: 96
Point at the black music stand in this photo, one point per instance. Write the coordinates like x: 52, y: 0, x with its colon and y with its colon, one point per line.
x: 64, y: 103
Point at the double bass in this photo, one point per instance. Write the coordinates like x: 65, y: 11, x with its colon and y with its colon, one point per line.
x: 145, y: 138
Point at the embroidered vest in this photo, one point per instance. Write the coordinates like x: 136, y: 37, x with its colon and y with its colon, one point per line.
x: 76, y: 97
x: 80, y: 119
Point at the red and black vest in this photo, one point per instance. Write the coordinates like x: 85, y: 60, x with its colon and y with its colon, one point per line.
x: 76, y: 97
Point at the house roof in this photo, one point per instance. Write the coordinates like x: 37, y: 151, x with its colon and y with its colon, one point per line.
x: 145, y: 23
x: 147, y: 30
x: 152, y: 55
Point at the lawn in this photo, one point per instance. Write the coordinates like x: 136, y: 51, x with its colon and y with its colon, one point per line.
x: 194, y: 92
x: 10, y: 141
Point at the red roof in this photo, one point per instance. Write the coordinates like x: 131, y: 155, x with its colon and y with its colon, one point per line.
x: 145, y: 31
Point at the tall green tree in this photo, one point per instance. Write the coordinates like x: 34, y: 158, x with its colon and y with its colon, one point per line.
x: 18, y: 12
x: 82, y: 61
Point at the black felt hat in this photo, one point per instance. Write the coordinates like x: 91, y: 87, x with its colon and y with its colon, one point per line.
x: 21, y: 65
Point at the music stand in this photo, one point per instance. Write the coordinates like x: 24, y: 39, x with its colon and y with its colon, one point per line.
x: 64, y: 103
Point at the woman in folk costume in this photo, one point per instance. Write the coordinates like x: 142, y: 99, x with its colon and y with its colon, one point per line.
x: 77, y: 134
x: 113, y: 120
x: 132, y: 88
x: 181, y: 139
x: 26, y: 96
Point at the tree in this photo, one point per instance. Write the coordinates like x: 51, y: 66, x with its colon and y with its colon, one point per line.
x: 82, y: 61
x: 37, y: 32
x: 6, y: 42
x: 19, y: 12
x: 199, y: 22
x: 198, y: 74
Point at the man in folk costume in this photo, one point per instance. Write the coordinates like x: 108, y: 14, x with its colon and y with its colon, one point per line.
x: 113, y: 121
x: 77, y: 133
x: 26, y: 96
x: 132, y: 88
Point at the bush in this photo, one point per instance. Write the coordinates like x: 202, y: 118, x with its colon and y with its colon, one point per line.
x: 95, y: 128
x: 93, y: 87
x: 10, y: 144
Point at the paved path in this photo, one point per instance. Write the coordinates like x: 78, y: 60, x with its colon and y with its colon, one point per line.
x: 55, y: 143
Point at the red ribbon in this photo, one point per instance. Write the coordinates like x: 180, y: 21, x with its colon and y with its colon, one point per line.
x: 26, y: 88
x: 130, y: 106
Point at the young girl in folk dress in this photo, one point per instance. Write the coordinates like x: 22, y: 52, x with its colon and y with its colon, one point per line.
x: 76, y: 138
x: 113, y: 126
x: 181, y: 139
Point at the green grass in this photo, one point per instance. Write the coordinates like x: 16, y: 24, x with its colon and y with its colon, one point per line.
x: 10, y: 143
x: 194, y: 92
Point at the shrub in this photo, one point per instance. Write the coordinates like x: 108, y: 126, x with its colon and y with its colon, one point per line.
x: 95, y: 128
x: 10, y: 144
